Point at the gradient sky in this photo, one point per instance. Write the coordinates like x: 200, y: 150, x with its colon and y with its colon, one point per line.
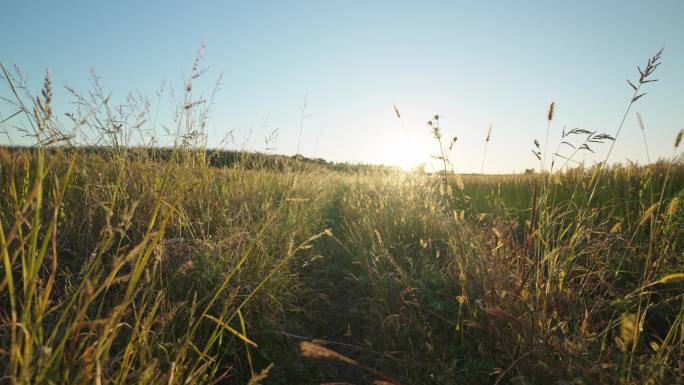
x: 474, y: 63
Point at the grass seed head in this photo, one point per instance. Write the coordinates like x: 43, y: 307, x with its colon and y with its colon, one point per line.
x: 311, y: 350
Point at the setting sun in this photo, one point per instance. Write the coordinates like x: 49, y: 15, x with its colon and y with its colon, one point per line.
x: 401, y: 150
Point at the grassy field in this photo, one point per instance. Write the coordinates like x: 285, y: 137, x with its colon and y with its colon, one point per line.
x: 139, y: 271
x: 135, y: 265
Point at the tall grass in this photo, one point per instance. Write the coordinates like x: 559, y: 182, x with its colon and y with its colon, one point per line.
x: 121, y: 269
x: 131, y: 264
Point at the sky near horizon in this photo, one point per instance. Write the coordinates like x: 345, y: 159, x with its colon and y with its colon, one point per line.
x: 475, y: 64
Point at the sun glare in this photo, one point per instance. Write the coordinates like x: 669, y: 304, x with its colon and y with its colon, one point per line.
x: 403, y: 151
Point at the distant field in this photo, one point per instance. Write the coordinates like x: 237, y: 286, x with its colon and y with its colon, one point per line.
x: 130, y: 268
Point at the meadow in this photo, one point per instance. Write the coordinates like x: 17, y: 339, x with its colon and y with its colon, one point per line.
x: 134, y: 264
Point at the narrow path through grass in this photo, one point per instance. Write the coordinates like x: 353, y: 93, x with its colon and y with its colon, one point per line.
x: 335, y: 297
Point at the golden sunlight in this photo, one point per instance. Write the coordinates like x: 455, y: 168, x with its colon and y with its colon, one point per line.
x: 403, y: 150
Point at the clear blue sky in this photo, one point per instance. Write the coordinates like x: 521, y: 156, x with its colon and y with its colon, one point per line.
x: 475, y: 63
